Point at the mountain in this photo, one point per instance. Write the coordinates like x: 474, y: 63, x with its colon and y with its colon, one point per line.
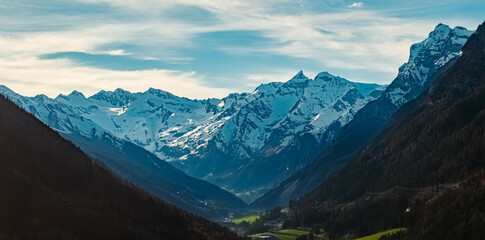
x: 245, y: 143
x: 52, y: 190
x: 427, y: 59
x: 275, y: 132
x: 435, y: 140
x: 127, y: 160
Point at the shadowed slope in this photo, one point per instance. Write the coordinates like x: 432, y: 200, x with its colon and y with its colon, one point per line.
x: 52, y: 190
x: 437, y: 138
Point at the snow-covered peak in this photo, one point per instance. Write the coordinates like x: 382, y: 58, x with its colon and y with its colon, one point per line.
x: 441, y: 31
x: 13, y: 96
x: 245, y: 126
x: 41, y: 98
x: 427, y: 56
x: 6, y: 91
x: 117, y: 98
x: 441, y: 43
x: 324, y: 75
x: 157, y: 92
x: 437, y: 43
x: 121, y: 92
x: 76, y: 93
x: 75, y: 97
x: 328, y: 78
x: 299, y: 77
x: 461, y: 31
x: 267, y: 88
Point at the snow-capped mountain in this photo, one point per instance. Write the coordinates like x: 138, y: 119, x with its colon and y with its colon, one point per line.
x: 127, y: 160
x: 427, y: 59
x: 230, y: 141
x: 261, y: 142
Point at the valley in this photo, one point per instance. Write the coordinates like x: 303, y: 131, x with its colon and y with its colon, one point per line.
x: 223, y: 119
x: 280, y: 124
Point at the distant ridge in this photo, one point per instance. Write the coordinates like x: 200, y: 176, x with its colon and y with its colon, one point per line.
x: 244, y: 143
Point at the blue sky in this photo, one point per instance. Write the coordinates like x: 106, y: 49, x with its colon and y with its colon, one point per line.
x: 209, y: 48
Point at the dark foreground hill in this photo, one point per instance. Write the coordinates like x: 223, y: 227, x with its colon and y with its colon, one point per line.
x: 433, y: 141
x: 49, y: 189
x: 127, y: 160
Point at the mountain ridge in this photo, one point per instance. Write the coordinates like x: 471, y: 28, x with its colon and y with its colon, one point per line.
x: 53, y: 190
x: 435, y: 139
x: 426, y: 58
x: 190, y: 132
x: 130, y: 161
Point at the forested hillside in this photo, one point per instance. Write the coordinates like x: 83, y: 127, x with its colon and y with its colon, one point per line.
x: 436, y: 139
x: 52, y: 190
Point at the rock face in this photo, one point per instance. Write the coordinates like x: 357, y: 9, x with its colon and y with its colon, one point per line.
x: 275, y: 131
x: 435, y: 140
x: 426, y: 59
x: 245, y: 143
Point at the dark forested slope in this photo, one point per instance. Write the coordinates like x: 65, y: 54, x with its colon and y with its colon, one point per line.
x: 427, y: 59
x: 436, y: 139
x: 49, y: 189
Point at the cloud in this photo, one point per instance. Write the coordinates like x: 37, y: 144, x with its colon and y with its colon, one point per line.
x: 327, y: 37
x: 361, y: 40
x: 117, y: 52
x: 33, y: 76
x: 356, y: 5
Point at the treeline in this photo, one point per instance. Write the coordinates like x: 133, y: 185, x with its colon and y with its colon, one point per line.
x: 49, y: 189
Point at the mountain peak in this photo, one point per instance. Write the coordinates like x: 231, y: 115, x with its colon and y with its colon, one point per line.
x: 476, y: 38
x: 441, y: 31
x: 159, y: 93
x: 441, y: 26
x: 300, y: 76
x: 118, y: 97
x: 324, y: 75
x: 76, y: 93
x: 41, y: 97
x: 155, y: 91
x: 480, y: 33
x: 437, y: 44
x: 120, y: 91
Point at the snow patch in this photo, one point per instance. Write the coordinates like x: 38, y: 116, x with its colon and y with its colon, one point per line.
x: 118, y: 111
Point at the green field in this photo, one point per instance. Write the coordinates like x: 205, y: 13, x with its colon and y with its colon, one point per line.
x: 380, y: 234
x: 250, y: 219
x: 286, y: 234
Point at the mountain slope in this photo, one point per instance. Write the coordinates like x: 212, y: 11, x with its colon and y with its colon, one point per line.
x: 426, y: 58
x: 220, y: 140
x: 275, y: 133
x: 144, y: 169
x: 130, y: 161
x: 437, y: 139
x: 52, y: 190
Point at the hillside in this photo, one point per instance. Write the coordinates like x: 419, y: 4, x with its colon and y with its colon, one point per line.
x: 426, y: 59
x: 52, y: 190
x: 437, y: 139
x: 128, y: 160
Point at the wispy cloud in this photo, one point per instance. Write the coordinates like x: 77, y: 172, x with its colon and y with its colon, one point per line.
x: 117, y: 52
x: 278, y: 35
x: 356, y: 5
x: 33, y: 76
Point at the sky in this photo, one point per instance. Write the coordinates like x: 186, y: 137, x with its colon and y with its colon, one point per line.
x: 210, y: 48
